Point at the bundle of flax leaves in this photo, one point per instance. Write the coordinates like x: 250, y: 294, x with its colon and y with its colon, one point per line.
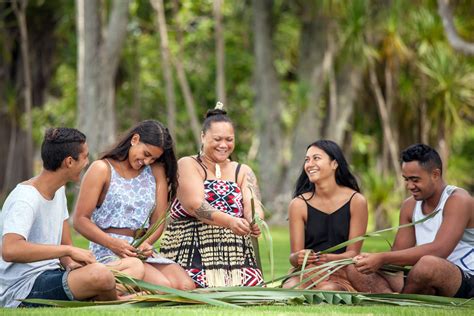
x: 238, y: 297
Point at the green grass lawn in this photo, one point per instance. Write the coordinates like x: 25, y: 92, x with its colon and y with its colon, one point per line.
x: 281, y: 245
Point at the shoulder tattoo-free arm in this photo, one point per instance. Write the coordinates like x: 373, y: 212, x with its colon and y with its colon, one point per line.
x: 205, y: 211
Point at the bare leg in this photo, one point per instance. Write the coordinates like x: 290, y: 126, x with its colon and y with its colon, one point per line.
x: 176, y: 275
x: 154, y: 276
x: 92, y: 281
x: 130, y: 266
x: 291, y: 282
x: 375, y: 282
x: 329, y: 286
x: 435, y: 276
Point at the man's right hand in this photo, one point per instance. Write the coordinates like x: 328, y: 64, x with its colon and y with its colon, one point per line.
x: 239, y: 226
x: 81, y: 255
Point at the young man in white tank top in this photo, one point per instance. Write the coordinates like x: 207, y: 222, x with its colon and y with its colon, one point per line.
x: 440, y: 249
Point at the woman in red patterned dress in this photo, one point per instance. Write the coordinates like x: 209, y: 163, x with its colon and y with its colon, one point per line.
x: 210, y: 231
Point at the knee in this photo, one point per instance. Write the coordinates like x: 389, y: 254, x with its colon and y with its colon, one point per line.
x: 291, y: 282
x: 184, y: 285
x: 187, y: 284
x: 328, y: 286
x: 100, y: 277
x: 134, y: 267
x: 424, y: 269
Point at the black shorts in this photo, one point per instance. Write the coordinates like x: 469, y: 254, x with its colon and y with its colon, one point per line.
x: 466, y: 290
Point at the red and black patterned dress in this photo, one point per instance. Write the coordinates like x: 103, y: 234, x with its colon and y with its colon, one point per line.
x: 213, y: 256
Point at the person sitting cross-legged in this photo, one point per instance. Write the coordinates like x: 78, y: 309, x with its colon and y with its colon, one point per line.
x: 440, y: 249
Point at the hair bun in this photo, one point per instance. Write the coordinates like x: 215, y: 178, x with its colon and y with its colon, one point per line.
x: 218, y: 110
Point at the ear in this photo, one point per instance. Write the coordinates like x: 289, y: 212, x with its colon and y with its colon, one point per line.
x: 334, y: 164
x: 436, y: 173
x: 68, y: 161
x: 202, y: 137
x: 135, y: 139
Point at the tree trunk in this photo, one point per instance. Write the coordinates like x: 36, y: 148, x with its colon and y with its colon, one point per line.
x: 349, y: 80
x: 135, y: 77
x: 19, y: 7
x: 220, y: 55
x: 98, y: 59
x: 385, y: 120
x: 267, y: 104
x: 314, y: 63
x: 184, y: 85
x: 167, y: 67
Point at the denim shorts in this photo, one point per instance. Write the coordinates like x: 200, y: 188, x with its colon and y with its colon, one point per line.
x: 51, y: 284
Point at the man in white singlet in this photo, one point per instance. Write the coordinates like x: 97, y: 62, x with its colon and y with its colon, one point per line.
x: 440, y: 249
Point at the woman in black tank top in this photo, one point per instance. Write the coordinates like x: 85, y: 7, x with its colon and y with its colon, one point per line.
x: 327, y: 209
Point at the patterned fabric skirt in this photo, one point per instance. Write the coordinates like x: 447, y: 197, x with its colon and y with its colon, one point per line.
x: 213, y: 256
x: 105, y: 255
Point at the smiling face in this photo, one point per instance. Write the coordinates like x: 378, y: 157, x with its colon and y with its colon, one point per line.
x: 76, y: 166
x: 218, y: 141
x: 141, y: 154
x: 420, y: 182
x: 318, y: 165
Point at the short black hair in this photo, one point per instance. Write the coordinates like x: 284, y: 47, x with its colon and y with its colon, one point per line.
x: 426, y: 156
x: 60, y: 143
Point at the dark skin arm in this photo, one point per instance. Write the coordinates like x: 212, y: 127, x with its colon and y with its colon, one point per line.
x: 249, y: 186
x: 456, y: 216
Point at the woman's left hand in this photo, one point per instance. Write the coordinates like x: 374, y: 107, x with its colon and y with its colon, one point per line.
x: 321, y: 258
x: 255, y: 231
x: 145, y: 249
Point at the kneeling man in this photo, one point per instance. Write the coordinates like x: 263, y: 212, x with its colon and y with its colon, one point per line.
x: 440, y: 249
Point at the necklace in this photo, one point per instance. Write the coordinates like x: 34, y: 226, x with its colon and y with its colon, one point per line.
x: 218, y: 171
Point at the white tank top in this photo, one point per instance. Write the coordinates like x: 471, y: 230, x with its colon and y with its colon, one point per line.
x: 463, y: 253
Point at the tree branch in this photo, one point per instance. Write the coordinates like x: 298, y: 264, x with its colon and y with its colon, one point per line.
x: 454, y: 39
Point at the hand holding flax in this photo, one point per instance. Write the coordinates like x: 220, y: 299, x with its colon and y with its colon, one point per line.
x: 297, y: 258
x: 145, y: 249
x: 368, y: 262
x: 255, y: 230
x: 239, y: 226
x: 121, y: 248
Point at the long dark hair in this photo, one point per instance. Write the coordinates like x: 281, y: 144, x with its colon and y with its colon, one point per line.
x: 153, y: 133
x: 343, y: 175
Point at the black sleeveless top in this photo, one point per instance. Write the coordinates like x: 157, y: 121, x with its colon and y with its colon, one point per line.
x: 323, y: 230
